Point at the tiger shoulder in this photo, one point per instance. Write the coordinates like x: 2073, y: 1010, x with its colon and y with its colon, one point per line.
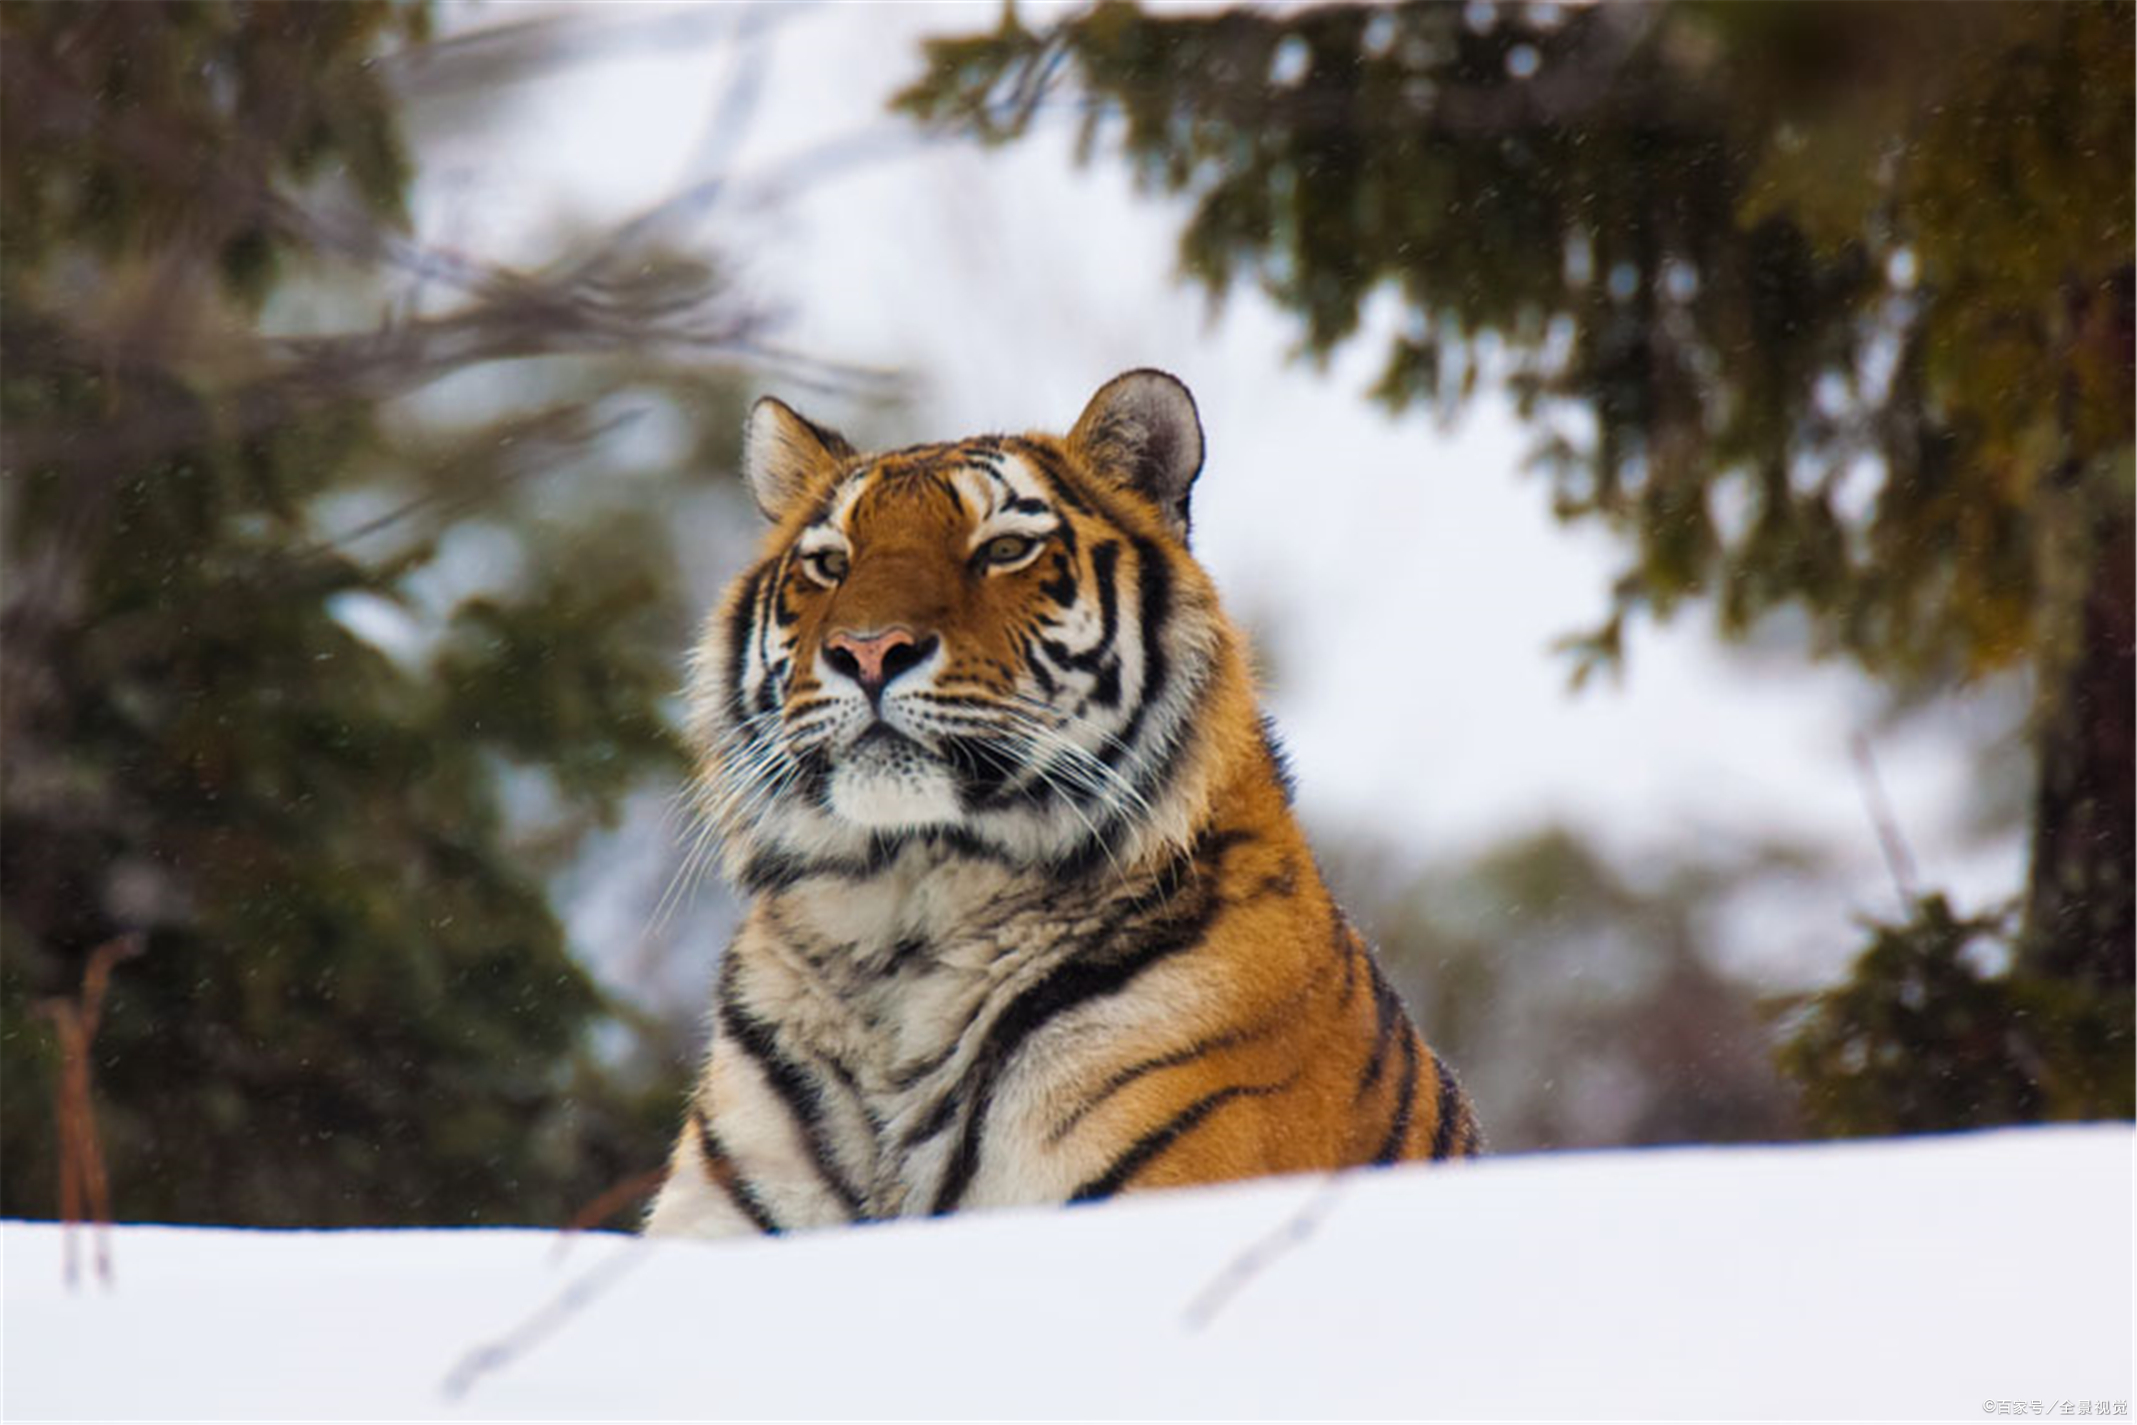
x: 1029, y: 916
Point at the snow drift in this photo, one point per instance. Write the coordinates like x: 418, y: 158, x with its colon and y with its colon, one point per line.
x: 1920, y: 1278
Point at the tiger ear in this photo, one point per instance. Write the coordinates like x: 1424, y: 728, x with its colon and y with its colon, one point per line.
x: 784, y: 452
x: 1142, y: 428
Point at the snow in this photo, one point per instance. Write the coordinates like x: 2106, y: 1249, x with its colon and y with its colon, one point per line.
x: 1914, y: 1278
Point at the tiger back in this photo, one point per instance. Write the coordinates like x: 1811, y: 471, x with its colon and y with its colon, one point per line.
x: 1030, y: 918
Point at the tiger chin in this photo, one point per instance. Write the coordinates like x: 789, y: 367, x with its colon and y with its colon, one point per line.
x: 1030, y: 918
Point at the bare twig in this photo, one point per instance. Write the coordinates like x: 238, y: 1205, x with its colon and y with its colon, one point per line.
x: 494, y: 1355
x: 842, y: 153
x: 713, y: 158
x: 519, y: 51
x: 577, y: 1294
x: 539, y: 443
x: 634, y: 1188
x: 528, y: 319
x: 1257, y: 1258
x: 1898, y: 860
x: 84, y: 1187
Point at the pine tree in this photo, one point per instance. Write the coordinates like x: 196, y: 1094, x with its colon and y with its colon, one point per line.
x: 355, y: 1003
x: 1824, y: 308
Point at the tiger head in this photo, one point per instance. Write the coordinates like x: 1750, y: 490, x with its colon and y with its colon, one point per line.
x: 1000, y: 643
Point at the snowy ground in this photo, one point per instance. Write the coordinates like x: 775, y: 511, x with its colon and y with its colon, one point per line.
x: 1922, y: 1279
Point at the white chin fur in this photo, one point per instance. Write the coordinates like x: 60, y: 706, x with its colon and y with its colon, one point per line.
x: 905, y: 799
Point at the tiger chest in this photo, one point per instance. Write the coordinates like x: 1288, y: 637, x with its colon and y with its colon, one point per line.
x: 892, y: 1023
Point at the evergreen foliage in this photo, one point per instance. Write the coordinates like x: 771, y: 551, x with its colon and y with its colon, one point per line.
x: 1930, y: 1034
x: 355, y: 1005
x: 1819, y: 308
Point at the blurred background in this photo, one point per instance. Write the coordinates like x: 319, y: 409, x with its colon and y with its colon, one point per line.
x: 1674, y: 460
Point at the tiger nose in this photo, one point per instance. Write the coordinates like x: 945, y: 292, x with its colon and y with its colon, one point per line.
x: 873, y: 659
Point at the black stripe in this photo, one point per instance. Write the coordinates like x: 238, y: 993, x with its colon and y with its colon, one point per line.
x: 1064, y: 534
x: 1080, y: 981
x: 1105, y: 691
x: 1054, y: 471
x: 1470, y: 1141
x: 1061, y: 587
x: 1453, y: 1110
x: 1105, y: 572
x: 741, y: 626
x: 1045, y: 679
x: 985, y: 771
x: 1150, y: 784
x: 1155, y: 585
x: 772, y: 871
x: 1347, y: 949
x: 793, y: 1085
x: 1388, y: 1021
x: 1154, y: 598
x: 1121, y: 1078
x: 1161, y: 763
x: 821, y: 515
x: 720, y: 1167
x: 913, y: 1073
x: 781, y: 612
x: 1405, y: 1096
x: 1281, y: 883
x: 773, y: 612
x: 813, y: 786
x: 906, y: 1076
x: 1187, y: 1053
x: 777, y: 870
x: 938, y: 1117
x: 1157, y: 1140
x: 1074, y: 984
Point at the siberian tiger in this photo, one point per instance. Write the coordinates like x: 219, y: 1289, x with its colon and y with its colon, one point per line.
x: 1030, y: 919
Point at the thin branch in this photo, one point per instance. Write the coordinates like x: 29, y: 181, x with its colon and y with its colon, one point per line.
x: 843, y: 153
x: 84, y: 1186
x: 577, y: 1294
x: 1286, y: 1237
x: 393, y: 359
x: 538, y: 444
x: 521, y: 50
x: 819, y: 374
x: 1898, y: 860
x: 635, y: 1188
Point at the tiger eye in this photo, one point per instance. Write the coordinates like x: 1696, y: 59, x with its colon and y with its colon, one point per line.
x: 1008, y: 548
x: 830, y: 565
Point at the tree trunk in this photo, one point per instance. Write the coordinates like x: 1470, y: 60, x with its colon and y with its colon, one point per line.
x: 2079, y: 924
x: 2078, y: 906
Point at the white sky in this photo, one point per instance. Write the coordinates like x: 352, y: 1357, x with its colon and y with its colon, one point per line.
x: 1408, y: 582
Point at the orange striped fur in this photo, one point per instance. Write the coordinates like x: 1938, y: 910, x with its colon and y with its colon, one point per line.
x: 1030, y: 917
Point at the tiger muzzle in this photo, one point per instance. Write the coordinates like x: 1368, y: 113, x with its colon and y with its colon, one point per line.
x: 873, y: 660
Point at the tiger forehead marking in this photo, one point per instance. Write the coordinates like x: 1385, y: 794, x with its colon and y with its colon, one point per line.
x: 1030, y: 918
x: 908, y: 529
x: 954, y: 640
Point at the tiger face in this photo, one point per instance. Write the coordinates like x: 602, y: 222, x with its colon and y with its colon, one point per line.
x: 1029, y: 916
x: 999, y: 642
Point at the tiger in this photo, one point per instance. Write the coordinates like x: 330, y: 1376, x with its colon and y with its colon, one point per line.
x: 1029, y: 918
